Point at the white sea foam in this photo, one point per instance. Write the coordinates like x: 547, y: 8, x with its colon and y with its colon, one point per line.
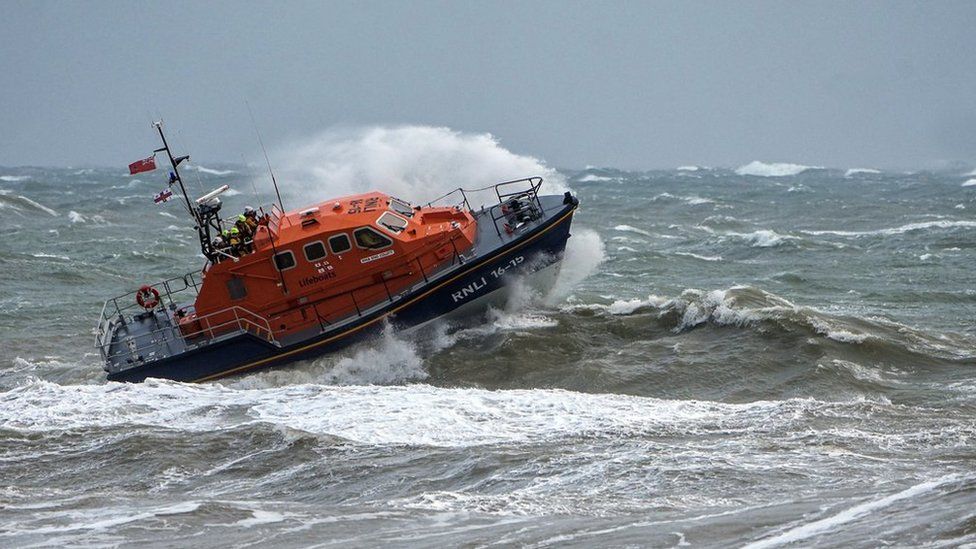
x: 628, y: 306
x: 808, y: 530
x: 692, y: 200
x: 524, y: 321
x: 585, y: 252
x: 776, y: 169
x: 631, y: 229
x: 969, y: 183
x: 701, y: 257
x: 413, y: 414
x: 51, y: 256
x: 688, y: 168
x: 38, y: 205
x: 14, y: 178
x: 167, y: 214
x: 920, y: 226
x: 211, y: 171
x: 76, y: 217
x: 855, y: 171
x: 592, y: 178
x: 416, y: 163
x: 763, y: 238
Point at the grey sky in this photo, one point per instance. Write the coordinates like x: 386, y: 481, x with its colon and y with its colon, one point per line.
x: 624, y: 84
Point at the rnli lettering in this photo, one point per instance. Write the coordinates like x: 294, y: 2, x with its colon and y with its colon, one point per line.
x: 468, y: 290
x: 381, y: 255
x: 480, y: 284
x: 310, y: 280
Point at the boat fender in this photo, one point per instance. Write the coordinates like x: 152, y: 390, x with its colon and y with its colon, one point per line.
x: 147, y: 297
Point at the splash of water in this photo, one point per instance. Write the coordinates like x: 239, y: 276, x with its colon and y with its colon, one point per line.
x: 416, y: 163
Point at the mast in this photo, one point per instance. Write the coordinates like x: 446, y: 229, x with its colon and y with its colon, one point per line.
x: 205, y: 216
x: 176, y: 171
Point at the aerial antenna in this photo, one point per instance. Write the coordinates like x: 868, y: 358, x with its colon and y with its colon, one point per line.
x: 261, y: 142
x: 247, y: 167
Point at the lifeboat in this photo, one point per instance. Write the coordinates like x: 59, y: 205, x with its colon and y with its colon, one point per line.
x: 298, y: 284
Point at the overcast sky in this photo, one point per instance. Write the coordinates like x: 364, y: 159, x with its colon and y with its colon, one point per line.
x: 623, y: 84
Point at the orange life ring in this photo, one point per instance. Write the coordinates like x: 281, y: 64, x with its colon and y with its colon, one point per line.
x: 147, y: 297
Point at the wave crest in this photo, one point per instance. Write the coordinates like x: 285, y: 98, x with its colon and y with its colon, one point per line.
x: 775, y: 169
x: 416, y: 163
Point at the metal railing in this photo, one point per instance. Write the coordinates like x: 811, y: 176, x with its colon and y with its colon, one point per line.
x: 243, y: 320
x: 528, y: 187
x: 112, y: 311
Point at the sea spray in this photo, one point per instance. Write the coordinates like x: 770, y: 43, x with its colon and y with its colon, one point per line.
x: 415, y: 163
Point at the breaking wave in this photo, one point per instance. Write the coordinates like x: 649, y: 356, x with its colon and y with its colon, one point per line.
x: 745, y: 306
x: 921, y: 226
x: 762, y: 169
x: 856, y: 171
x: 22, y: 203
x: 416, y: 163
x: 211, y: 171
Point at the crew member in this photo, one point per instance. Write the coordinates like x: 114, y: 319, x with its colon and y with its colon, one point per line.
x: 219, y: 245
x: 247, y: 232
x: 235, y: 241
x: 251, y: 218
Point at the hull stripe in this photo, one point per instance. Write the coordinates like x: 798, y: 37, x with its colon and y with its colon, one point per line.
x: 379, y: 318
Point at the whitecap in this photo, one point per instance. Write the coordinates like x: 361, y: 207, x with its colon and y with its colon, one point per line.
x: 631, y: 229
x: 969, y: 183
x: 591, y: 178
x: 523, y: 321
x: 76, y: 217
x: 855, y: 171
x: 38, y: 205
x: 14, y: 178
x: 775, y: 169
x: 688, y: 168
x: 701, y: 257
x: 941, y: 224
x: 810, y: 529
x: 763, y: 238
x: 628, y: 306
x: 211, y: 171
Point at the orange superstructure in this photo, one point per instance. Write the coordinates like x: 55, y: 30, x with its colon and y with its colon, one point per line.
x: 326, y: 262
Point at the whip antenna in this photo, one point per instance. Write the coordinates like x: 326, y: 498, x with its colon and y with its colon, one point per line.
x: 261, y: 142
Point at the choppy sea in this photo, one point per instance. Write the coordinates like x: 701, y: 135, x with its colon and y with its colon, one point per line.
x: 772, y: 355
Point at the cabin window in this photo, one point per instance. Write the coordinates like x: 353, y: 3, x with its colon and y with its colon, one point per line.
x: 370, y: 239
x: 314, y: 251
x: 401, y: 207
x: 284, y: 260
x: 340, y: 243
x: 236, y: 288
x: 393, y: 223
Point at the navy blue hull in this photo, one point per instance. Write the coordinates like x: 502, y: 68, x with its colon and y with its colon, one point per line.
x: 533, y: 251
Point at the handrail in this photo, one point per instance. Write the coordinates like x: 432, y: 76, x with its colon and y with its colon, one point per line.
x: 256, y: 325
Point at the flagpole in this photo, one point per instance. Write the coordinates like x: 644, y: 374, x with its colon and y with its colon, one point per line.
x: 176, y: 172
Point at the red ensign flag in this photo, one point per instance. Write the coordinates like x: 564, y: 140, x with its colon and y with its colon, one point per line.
x: 144, y: 165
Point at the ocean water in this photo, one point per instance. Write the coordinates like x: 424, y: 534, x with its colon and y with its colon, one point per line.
x: 772, y: 355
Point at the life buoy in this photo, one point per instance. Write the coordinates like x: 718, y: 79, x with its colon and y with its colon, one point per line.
x: 147, y: 297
